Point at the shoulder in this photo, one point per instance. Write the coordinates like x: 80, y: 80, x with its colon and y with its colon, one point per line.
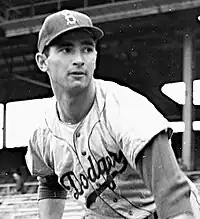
x: 123, y: 98
x: 120, y: 93
x: 39, y: 134
x: 38, y: 153
x: 41, y: 131
x: 131, y: 112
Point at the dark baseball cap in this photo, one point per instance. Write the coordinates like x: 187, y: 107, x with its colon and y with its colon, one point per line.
x: 66, y: 20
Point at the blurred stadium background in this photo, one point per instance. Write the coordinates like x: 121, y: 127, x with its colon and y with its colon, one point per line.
x: 147, y: 44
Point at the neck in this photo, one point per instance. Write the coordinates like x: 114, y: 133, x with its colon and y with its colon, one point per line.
x: 73, y: 107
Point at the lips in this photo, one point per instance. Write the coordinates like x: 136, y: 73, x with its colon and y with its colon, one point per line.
x: 77, y: 73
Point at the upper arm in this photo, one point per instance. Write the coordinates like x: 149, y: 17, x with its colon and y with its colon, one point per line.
x: 37, y: 156
x: 51, y: 194
x: 138, y: 122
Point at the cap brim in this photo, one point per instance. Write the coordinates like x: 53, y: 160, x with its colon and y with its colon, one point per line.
x: 96, y: 32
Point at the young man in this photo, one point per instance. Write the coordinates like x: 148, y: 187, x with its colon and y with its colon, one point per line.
x: 105, y: 144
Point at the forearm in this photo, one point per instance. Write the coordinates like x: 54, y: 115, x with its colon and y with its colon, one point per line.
x: 162, y: 175
x: 183, y: 216
x: 51, y: 208
x: 51, y: 198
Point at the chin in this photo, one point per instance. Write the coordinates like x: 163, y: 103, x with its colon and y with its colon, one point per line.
x: 77, y: 87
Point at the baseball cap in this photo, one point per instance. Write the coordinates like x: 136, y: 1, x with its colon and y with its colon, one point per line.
x: 62, y: 21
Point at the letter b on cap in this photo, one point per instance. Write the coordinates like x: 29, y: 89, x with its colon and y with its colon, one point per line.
x: 69, y: 17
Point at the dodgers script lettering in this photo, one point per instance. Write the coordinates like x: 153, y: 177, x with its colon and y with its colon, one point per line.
x: 106, y: 168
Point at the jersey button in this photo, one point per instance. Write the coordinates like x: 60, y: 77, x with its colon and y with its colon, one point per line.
x: 78, y: 134
x: 98, y: 184
x: 115, y: 199
x: 130, y: 212
x: 83, y: 153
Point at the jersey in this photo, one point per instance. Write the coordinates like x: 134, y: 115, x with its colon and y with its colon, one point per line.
x: 95, y: 161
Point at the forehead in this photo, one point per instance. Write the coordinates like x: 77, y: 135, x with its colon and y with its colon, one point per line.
x: 77, y: 36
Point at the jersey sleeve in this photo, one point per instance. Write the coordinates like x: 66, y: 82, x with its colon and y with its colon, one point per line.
x: 136, y: 122
x: 161, y: 173
x: 37, y: 156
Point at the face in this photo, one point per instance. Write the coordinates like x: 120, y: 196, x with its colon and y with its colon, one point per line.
x: 71, y: 61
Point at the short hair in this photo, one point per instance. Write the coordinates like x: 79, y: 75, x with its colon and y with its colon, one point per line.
x: 46, y: 51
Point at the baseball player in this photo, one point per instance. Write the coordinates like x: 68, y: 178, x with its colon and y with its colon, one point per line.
x: 103, y: 143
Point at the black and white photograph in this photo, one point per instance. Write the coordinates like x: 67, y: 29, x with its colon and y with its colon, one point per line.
x: 99, y: 109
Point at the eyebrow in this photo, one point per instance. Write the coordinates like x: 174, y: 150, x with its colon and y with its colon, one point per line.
x: 70, y: 44
x: 88, y: 43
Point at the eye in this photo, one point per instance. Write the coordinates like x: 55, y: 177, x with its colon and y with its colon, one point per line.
x: 66, y: 49
x: 88, y: 49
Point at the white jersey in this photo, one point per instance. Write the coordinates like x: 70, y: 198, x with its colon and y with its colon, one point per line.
x: 95, y: 161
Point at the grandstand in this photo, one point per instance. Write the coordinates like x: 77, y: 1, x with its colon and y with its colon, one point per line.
x: 26, y: 206
x: 148, y: 43
x: 23, y: 206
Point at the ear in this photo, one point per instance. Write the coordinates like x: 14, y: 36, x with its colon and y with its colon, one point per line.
x: 41, y: 61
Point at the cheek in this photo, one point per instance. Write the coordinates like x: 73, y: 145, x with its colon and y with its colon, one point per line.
x: 92, y: 63
x: 56, y: 65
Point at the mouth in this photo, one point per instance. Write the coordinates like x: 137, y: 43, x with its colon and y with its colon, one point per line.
x: 77, y: 73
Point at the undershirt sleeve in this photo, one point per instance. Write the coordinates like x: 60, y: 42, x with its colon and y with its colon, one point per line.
x: 160, y: 171
x: 49, y: 188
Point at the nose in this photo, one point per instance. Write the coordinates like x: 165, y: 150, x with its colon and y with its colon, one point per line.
x: 78, y: 60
